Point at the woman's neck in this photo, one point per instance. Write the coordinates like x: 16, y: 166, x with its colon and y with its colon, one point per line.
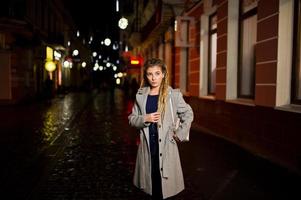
x: 154, y: 91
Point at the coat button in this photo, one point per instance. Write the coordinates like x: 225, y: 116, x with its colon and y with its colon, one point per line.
x: 159, y: 140
x: 159, y: 125
x: 161, y: 169
x: 160, y: 154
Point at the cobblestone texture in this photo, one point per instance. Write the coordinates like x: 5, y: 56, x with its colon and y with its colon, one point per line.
x: 81, y: 147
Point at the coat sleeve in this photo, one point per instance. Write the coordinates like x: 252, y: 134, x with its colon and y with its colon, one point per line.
x: 185, y: 114
x: 136, y: 119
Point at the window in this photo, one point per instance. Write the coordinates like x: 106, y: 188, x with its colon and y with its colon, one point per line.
x: 185, y: 55
x: 212, y: 53
x: 182, y: 40
x: 208, y: 52
x: 296, y: 68
x: 247, y: 41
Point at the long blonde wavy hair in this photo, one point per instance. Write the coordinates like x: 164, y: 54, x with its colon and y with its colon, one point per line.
x: 164, y: 84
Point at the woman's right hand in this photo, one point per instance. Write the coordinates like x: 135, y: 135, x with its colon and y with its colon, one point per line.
x: 152, y: 117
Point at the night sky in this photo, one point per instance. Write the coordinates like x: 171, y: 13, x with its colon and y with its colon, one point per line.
x: 95, y: 16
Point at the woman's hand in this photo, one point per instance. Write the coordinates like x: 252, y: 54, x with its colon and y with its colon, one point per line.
x: 152, y: 117
x: 175, y: 137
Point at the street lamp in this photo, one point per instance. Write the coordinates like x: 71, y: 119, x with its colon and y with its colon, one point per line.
x: 75, y: 52
x: 123, y: 23
x: 107, y: 41
x: 50, y: 66
x: 66, y: 64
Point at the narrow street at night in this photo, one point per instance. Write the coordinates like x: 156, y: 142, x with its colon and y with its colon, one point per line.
x: 80, y: 146
x: 150, y: 100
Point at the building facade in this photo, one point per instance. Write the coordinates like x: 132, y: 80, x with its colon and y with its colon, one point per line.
x: 238, y: 64
x: 29, y: 30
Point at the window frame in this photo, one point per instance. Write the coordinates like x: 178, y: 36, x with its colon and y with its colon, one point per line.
x: 210, y: 33
x: 296, y: 51
x: 242, y: 17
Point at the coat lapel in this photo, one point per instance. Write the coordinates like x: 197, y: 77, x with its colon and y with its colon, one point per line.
x: 142, y: 97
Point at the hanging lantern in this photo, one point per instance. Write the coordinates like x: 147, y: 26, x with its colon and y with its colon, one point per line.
x: 50, y: 66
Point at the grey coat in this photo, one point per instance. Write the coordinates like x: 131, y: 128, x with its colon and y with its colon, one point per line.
x: 170, y: 164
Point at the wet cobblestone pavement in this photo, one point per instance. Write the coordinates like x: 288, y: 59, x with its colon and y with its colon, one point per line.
x: 81, y: 147
x: 27, y: 131
x: 97, y: 157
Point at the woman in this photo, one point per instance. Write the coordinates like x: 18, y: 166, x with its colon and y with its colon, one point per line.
x: 158, y: 170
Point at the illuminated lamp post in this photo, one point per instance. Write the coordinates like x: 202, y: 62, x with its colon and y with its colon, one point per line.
x: 50, y: 66
x: 107, y: 41
x: 123, y: 23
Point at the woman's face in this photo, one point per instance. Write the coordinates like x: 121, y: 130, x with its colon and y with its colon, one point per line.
x: 154, y: 76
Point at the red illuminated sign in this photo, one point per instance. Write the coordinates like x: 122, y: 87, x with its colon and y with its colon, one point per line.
x: 135, y: 61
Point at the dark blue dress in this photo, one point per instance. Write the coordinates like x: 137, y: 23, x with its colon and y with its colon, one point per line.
x: 152, y: 106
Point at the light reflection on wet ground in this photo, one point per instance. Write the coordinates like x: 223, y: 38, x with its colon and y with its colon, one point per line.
x: 42, y: 122
x: 87, y: 151
x: 26, y: 130
x: 98, y: 159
